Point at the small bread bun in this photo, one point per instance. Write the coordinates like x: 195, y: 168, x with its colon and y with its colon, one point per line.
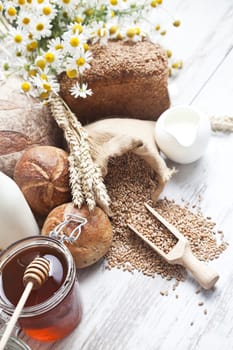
x: 96, y: 234
x: 42, y: 173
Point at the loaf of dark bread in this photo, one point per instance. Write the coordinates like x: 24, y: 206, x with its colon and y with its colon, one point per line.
x: 24, y: 122
x: 127, y: 79
x: 95, y: 238
x: 42, y: 173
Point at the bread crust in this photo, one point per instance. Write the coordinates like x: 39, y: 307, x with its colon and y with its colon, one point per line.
x: 96, y: 234
x: 127, y: 79
x: 42, y: 173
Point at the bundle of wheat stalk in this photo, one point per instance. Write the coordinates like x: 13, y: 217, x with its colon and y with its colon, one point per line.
x: 85, y: 176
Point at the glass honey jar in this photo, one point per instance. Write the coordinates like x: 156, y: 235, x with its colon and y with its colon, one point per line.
x: 54, y: 310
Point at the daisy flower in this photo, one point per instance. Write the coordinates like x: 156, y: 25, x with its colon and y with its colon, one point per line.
x: 72, y: 41
x: 55, y: 44
x: 18, y: 39
x: 45, y: 84
x: 10, y: 12
x: 41, y: 27
x: 78, y: 90
x: 24, y: 19
x: 79, y: 61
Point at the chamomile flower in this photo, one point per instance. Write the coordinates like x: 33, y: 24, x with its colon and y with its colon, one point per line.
x: 45, y: 84
x: 55, y: 44
x: 41, y: 27
x: 18, y: 39
x: 47, y: 9
x: 24, y: 19
x: 1, y: 7
x: 10, y: 12
x: 79, y: 61
x: 53, y: 60
x: 100, y: 33
x: 72, y: 41
x: 78, y: 90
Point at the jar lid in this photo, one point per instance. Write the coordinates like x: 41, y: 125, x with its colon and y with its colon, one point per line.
x: 57, y: 232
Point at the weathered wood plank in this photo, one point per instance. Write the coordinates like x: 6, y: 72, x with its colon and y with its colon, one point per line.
x: 126, y: 312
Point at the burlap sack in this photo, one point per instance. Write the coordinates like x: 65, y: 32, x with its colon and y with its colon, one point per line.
x: 23, y: 122
x: 116, y: 136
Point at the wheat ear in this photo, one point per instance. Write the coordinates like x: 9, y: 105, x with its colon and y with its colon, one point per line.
x: 86, y: 181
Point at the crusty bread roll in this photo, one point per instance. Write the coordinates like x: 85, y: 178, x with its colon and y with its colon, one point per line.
x: 42, y: 173
x: 96, y: 234
x: 24, y: 122
x: 127, y: 79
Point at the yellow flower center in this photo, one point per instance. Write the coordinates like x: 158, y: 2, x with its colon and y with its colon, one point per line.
x: 32, y: 72
x: 47, y: 87
x: 157, y: 27
x: 137, y: 30
x: 18, y: 38
x: 47, y: 10
x: 113, y: 30
x: 119, y: 36
x: 39, y: 27
x: 86, y: 47
x: 44, y: 95
x: 44, y: 77
x: 66, y: 1
x: 169, y: 53
x: 71, y: 73
x: 80, y: 61
x: 41, y: 63
x: 29, y: 1
x: 40, y: 1
x: 79, y: 20
x: 77, y: 28
x: 74, y: 41
x: 89, y: 12
x: 58, y: 47
x: 113, y: 2
x: 1, y: 7
x: 49, y: 57
x: 176, y: 23
x: 26, y: 20
x: 130, y: 32
x: 11, y: 11
x: 153, y: 3
x: 21, y: 2
x: 32, y: 46
x: 101, y: 32
x: 25, y: 86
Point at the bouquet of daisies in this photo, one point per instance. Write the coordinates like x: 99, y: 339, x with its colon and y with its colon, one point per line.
x: 42, y: 38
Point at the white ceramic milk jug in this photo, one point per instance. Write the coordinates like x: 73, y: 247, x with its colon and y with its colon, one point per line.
x: 16, y: 218
x: 182, y: 133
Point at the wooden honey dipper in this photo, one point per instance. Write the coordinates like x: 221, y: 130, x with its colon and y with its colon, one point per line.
x: 35, y: 275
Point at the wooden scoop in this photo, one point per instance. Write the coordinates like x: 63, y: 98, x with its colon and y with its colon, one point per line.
x: 181, y: 254
x: 35, y: 275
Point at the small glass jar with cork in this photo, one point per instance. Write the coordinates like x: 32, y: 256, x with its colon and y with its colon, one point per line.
x: 53, y: 310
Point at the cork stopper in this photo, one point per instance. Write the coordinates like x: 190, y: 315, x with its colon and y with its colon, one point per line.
x: 37, y: 272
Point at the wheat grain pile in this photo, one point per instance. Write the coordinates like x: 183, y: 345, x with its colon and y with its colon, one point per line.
x: 129, y: 183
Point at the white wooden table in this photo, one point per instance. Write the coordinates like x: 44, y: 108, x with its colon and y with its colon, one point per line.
x: 127, y: 312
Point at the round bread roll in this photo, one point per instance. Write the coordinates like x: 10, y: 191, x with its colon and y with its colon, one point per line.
x: 42, y: 173
x: 96, y: 234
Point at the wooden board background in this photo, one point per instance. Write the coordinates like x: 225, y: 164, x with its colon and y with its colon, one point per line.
x: 126, y: 312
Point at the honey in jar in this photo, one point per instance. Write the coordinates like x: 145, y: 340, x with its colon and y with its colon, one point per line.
x: 53, y: 310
